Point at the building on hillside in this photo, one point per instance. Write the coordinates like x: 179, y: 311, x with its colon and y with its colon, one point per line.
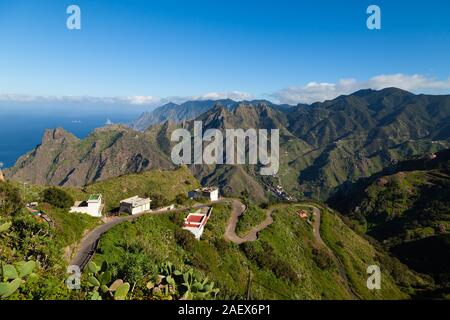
x: 195, y: 222
x: 2, y: 177
x: 211, y: 193
x: 135, y: 205
x: 303, y: 214
x: 93, y: 206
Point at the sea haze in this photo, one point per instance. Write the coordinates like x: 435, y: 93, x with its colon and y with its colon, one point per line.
x: 21, y: 129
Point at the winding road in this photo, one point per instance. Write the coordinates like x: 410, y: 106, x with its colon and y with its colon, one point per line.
x: 88, y: 244
x: 87, y: 247
x: 238, y: 209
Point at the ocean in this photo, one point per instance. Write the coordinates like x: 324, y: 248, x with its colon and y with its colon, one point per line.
x: 20, y: 132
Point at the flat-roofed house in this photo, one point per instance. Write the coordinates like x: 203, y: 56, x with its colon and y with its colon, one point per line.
x: 195, y: 222
x: 135, y: 205
x: 93, y: 206
x: 211, y: 193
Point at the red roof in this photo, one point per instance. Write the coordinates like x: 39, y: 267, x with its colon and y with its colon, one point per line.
x: 195, y: 219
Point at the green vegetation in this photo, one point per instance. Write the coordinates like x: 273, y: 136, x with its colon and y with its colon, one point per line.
x: 12, y: 277
x: 252, y: 217
x: 101, y: 286
x: 10, y: 199
x: 398, y: 280
x: 27, y: 243
x: 161, y: 186
x: 69, y: 227
x: 284, y: 263
x: 57, y: 198
x: 407, y: 207
x: 172, y: 283
x: 287, y: 261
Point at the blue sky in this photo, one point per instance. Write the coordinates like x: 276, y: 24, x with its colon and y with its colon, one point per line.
x: 288, y: 51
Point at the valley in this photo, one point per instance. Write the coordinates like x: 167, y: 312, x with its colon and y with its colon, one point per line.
x: 322, y: 145
x: 362, y: 181
x: 135, y: 247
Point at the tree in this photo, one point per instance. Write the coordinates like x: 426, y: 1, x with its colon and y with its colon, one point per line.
x: 57, y: 198
x: 185, y: 239
x: 158, y: 200
x: 10, y: 200
x: 181, y: 198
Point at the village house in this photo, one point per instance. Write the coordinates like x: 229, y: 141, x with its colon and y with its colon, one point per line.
x: 195, y: 222
x: 135, y: 205
x: 302, y: 214
x: 211, y: 193
x: 93, y: 206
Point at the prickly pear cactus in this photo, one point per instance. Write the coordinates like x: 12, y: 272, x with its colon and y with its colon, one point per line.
x: 101, y: 286
x: 172, y: 283
x: 13, y: 276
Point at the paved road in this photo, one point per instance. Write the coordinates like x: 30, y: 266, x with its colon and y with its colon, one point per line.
x: 88, y: 244
x: 337, y: 261
x: 230, y: 231
x: 238, y: 209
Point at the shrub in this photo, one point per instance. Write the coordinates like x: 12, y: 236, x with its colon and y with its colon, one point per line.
x: 10, y: 200
x: 181, y: 198
x: 266, y: 258
x: 57, y: 198
x: 221, y: 245
x: 322, y: 259
x: 177, y: 218
x: 158, y: 200
x: 185, y: 239
x: 250, y: 250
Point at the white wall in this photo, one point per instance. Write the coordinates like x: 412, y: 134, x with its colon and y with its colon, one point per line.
x: 141, y: 209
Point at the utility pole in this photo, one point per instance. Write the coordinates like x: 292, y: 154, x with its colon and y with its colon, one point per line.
x: 249, y: 285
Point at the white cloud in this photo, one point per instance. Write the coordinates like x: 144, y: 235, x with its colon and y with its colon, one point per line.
x: 150, y: 101
x: 132, y: 100
x: 414, y: 82
x: 233, y: 95
x: 309, y: 93
x: 314, y: 91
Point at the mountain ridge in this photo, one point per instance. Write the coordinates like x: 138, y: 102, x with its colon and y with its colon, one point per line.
x: 322, y: 146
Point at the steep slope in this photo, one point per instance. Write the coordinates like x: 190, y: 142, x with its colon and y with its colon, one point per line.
x: 176, y: 112
x: 285, y: 262
x: 407, y: 207
x: 322, y: 146
x: 62, y: 159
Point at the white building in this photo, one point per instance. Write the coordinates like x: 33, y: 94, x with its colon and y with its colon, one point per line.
x: 195, y: 222
x: 211, y: 193
x: 135, y: 205
x: 92, y: 206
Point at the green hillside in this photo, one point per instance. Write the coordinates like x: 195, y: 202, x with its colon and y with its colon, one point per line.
x: 407, y: 207
x: 283, y: 263
x: 52, y: 245
x: 322, y: 146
